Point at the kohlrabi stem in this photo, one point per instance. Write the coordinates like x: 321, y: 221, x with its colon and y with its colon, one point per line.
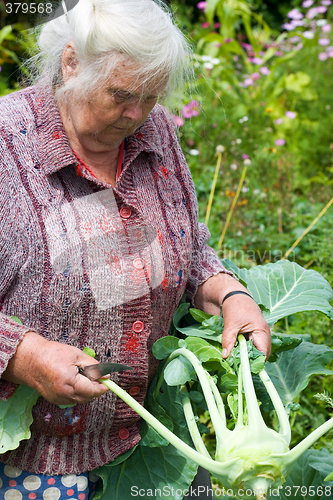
x: 221, y: 431
x: 191, y: 423
x: 240, y: 422
x: 256, y: 422
x: 278, y: 405
x: 299, y: 449
x: 218, y: 399
x: 204, y: 461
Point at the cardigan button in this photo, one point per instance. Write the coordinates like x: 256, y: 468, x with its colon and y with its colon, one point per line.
x: 138, y: 326
x: 133, y: 391
x: 125, y: 212
x: 123, y: 433
x: 138, y: 264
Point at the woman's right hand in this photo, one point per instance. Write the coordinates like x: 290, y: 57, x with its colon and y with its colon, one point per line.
x: 52, y: 369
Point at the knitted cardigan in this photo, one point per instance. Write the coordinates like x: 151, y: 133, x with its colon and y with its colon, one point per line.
x: 86, y: 264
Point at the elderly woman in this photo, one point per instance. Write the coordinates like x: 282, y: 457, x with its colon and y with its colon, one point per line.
x: 99, y: 233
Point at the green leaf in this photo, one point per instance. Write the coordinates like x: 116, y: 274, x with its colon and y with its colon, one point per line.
x: 292, y: 371
x: 283, y: 342
x: 230, y: 381
x: 148, y: 473
x: 286, y: 288
x: 151, y: 468
x: 198, y: 315
x: 16, y: 417
x: 163, y: 347
x: 306, y: 481
x: 297, y: 81
x: 203, y: 350
x: 179, y: 371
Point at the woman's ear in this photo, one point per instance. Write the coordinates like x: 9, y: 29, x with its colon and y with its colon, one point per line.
x: 70, y: 64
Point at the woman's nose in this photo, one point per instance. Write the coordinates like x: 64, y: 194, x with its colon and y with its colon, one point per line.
x: 133, y: 111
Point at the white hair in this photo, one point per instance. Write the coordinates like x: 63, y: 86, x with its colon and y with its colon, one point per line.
x: 103, y: 32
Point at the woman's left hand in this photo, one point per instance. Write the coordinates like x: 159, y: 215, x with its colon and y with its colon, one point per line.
x: 241, y: 314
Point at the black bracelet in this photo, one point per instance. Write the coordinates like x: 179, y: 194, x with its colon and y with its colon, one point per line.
x: 235, y: 292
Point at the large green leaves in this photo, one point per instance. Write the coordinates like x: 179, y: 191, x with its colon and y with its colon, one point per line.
x: 16, y: 417
x: 285, y: 288
x: 155, y: 469
x: 306, y: 481
x: 292, y: 371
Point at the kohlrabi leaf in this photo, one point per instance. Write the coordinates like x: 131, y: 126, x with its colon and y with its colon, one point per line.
x: 150, y: 437
x: 306, y: 481
x: 163, y: 347
x: 193, y: 328
x: 203, y: 350
x: 179, y: 371
x: 283, y: 342
x: 286, y: 288
x: 151, y: 468
x: 198, y: 315
x: 16, y: 417
x: 293, y: 369
x: 146, y: 472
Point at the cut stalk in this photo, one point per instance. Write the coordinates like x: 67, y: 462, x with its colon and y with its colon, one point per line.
x: 292, y: 455
x: 192, y: 424
x: 233, y: 204
x: 218, y: 400
x: 240, y: 421
x: 204, y: 461
x: 284, y: 430
x: 212, y: 191
x: 256, y: 422
x: 308, y: 229
x: 221, y: 431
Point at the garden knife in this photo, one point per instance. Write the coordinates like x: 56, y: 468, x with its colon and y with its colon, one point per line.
x: 96, y: 371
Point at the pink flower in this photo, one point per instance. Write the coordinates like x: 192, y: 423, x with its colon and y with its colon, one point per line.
x: 291, y: 114
x: 330, y: 53
x: 295, y: 14
x: 214, y: 125
x: 312, y: 13
x: 323, y: 41
x: 307, y: 3
x: 322, y: 56
x: 245, y: 157
x: 321, y: 9
x: 257, y: 60
x: 326, y: 28
x: 217, y: 25
x: 278, y: 121
x: 326, y: 2
x: 264, y: 70
x: 202, y: 5
x: 288, y: 26
x: 205, y: 25
x: 280, y: 142
x: 255, y: 76
x: 178, y: 121
x: 248, y: 82
x: 191, y: 109
x: 190, y: 142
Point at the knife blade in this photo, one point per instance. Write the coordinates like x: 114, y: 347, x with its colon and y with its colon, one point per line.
x: 98, y: 370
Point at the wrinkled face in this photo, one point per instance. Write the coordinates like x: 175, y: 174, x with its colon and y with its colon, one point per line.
x: 113, y: 111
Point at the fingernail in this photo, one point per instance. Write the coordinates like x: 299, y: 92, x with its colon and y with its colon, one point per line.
x: 224, y: 353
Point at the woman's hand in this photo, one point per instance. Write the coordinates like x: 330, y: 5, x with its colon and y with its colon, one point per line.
x: 52, y: 369
x: 240, y: 312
